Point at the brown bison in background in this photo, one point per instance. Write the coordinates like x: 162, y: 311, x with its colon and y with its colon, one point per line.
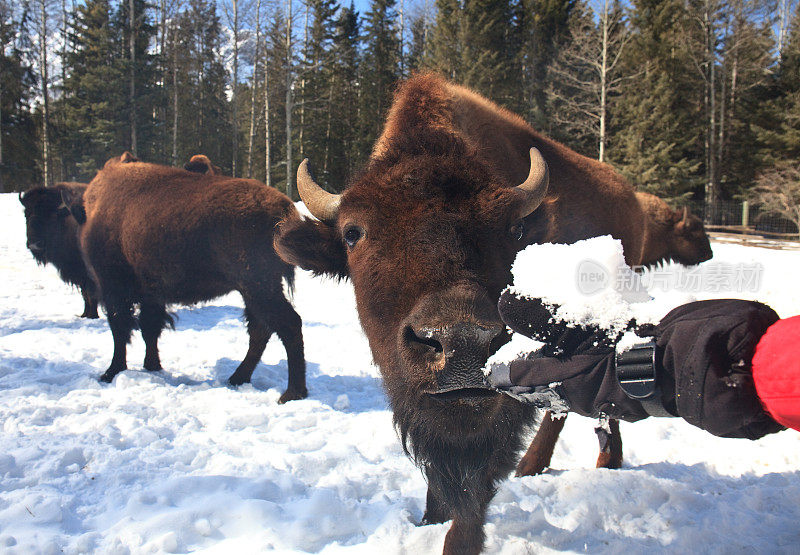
x: 156, y: 235
x: 200, y: 163
x: 671, y: 234
x: 52, y: 237
x: 427, y: 233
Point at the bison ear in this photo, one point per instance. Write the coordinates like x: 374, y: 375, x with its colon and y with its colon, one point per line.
x: 70, y: 203
x: 127, y: 157
x: 312, y: 245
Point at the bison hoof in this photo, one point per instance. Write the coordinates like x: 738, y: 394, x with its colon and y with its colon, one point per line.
x: 293, y: 395
x: 435, y: 519
x: 152, y: 366
x: 236, y: 381
x: 93, y: 316
x: 530, y: 467
x: 109, y: 375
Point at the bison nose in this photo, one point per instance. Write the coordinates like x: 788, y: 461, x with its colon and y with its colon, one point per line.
x: 459, y: 352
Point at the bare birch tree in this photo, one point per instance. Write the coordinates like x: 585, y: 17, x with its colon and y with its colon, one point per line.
x: 289, y: 99
x: 45, y: 83
x: 254, y: 87
x: 587, y: 71
x: 132, y: 89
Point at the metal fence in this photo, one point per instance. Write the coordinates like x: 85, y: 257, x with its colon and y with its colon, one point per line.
x: 743, y: 217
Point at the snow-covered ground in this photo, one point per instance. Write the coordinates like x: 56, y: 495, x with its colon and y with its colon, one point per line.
x: 175, y: 461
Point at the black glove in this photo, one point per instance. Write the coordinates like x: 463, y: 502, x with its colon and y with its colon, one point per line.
x: 702, y: 362
x: 574, y: 371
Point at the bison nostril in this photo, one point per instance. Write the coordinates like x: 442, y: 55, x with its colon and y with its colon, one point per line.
x: 424, y: 336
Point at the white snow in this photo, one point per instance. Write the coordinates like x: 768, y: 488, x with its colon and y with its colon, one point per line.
x: 175, y: 461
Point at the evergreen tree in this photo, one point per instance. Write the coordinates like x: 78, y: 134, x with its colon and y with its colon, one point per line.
x: 342, y: 137
x: 18, y: 132
x: 544, y: 25
x: 143, y: 69
x: 94, y: 98
x: 202, y: 84
x: 380, y: 69
x: 655, y: 120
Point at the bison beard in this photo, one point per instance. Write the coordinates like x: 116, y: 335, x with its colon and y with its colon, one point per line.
x: 464, y: 455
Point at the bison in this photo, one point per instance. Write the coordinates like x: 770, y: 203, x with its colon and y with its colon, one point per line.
x: 52, y: 237
x: 156, y: 235
x: 671, y: 234
x: 427, y: 233
x: 200, y: 163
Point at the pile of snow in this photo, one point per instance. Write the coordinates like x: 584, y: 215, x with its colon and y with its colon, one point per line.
x: 175, y: 461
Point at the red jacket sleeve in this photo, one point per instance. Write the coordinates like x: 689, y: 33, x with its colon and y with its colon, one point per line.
x: 776, y: 371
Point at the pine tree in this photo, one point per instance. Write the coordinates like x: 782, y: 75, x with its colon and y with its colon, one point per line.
x: 140, y: 70
x: 202, y: 85
x: 654, y: 131
x: 380, y: 69
x: 342, y: 155
x: 18, y: 133
x: 94, y: 94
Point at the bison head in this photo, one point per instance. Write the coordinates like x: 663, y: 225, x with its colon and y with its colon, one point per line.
x: 427, y: 234
x: 48, y: 221
x: 691, y: 244
x: 200, y: 163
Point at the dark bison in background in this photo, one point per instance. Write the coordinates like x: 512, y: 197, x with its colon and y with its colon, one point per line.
x: 671, y: 234
x: 427, y: 233
x: 200, y: 163
x: 156, y: 235
x: 52, y: 237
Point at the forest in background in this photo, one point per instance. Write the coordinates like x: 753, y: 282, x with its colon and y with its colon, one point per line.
x: 690, y: 99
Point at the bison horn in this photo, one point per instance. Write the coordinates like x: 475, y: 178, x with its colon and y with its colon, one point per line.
x: 685, y: 218
x: 20, y: 196
x: 534, y: 188
x: 323, y: 205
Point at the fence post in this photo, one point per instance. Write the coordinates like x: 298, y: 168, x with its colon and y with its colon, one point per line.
x: 745, y: 214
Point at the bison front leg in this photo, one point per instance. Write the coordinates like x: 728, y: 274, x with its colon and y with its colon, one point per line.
x: 610, y: 443
x: 540, y: 452
x: 464, y: 501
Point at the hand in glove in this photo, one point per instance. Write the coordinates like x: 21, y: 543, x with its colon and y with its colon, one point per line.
x: 702, y: 366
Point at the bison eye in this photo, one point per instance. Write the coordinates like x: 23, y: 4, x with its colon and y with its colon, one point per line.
x: 517, y: 230
x: 352, y: 234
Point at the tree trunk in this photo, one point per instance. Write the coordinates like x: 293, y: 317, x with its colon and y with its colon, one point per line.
x: 132, y: 96
x: 288, y: 106
x: 401, y: 13
x: 174, y: 96
x: 253, y: 94
x: 235, y: 86
x: 45, y: 94
x: 267, y: 138
x: 603, y: 82
x: 301, y: 140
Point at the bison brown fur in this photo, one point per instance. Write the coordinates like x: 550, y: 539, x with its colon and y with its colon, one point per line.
x: 427, y: 233
x: 157, y: 235
x: 53, y: 236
